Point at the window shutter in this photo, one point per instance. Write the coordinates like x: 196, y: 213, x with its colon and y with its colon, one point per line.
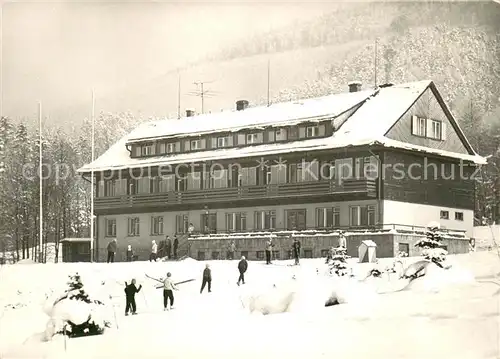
x: 302, y: 132
x: 213, y: 142
x: 414, y: 125
x: 443, y: 130
x: 101, y: 189
x: 321, y: 129
x: 428, y: 128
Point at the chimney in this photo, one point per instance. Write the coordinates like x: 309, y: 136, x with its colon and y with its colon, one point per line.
x: 189, y: 112
x: 241, y: 105
x: 354, y: 86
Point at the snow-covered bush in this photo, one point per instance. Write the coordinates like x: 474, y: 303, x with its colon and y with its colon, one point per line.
x: 432, y: 248
x: 339, y: 265
x: 75, y: 313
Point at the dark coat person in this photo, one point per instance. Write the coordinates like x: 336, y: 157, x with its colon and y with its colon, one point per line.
x: 296, y: 250
x: 168, y: 247
x: 269, y: 248
x: 112, y: 247
x: 130, y: 290
x: 242, y: 267
x: 176, y: 245
x: 207, y: 279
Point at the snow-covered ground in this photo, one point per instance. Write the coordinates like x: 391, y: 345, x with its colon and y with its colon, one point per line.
x: 442, y: 315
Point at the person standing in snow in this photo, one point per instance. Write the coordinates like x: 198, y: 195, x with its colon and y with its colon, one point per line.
x: 112, y: 247
x: 168, y: 292
x: 269, y: 248
x: 130, y: 253
x: 154, y: 251
x: 296, y: 250
x: 130, y: 290
x: 207, y: 279
x: 169, y: 247
x: 342, y: 240
x: 176, y: 245
x: 242, y: 267
x: 231, y: 249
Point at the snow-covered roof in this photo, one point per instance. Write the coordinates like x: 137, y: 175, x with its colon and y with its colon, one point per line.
x: 367, y: 126
x: 279, y: 114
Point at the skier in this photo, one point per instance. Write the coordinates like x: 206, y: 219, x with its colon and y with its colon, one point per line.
x: 269, y: 248
x: 296, y: 250
x: 176, y: 244
x: 207, y: 279
x: 130, y: 290
x: 154, y: 251
x: 112, y: 247
x: 168, y: 292
x: 169, y: 247
x: 231, y: 249
x: 130, y: 253
x: 242, y: 267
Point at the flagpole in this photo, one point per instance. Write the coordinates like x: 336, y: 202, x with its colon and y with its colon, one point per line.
x: 40, y: 174
x: 92, y: 182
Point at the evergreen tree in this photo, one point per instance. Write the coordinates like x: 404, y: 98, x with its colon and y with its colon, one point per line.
x: 76, y: 291
x: 339, y: 264
x: 432, y: 247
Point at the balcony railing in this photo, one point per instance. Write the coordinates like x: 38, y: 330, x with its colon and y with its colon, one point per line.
x: 301, y: 189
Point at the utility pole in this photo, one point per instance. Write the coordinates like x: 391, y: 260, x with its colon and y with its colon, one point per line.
x: 268, y: 81
x: 202, y: 93
x: 92, y: 144
x: 40, y: 174
x: 179, y: 97
x: 376, y: 54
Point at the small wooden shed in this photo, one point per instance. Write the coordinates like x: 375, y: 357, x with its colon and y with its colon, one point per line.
x: 367, y: 251
x: 76, y: 250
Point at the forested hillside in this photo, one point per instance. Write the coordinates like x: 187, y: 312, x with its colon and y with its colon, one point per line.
x: 455, y: 44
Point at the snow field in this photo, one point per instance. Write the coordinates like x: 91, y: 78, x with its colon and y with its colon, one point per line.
x: 442, y: 315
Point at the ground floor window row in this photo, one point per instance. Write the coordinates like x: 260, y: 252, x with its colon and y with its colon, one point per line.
x: 295, y: 219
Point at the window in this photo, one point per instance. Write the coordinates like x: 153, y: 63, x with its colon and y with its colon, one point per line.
x: 276, y: 255
x: 195, y: 145
x: 281, y: 134
x: 110, y: 227
x: 260, y: 255
x: 308, y: 253
x: 181, y: 223
x: 110, y: 188
x: 253, y: 138
x: 147, y: 150
x: 157, y: 225
x: 209, y: 222
x: 296, y: 219
x: 222, y: 142
x: 404, y: 247
x: 419, y: 126
x: 236, y: 221
x: 459, y: 216
x: 133, y: 226
x: 154, y: 185
x: 201, y: 255
x: 293, y: 133
x: 215, y: 255
x: 429, y: 128
x: 325, y: 252
x: 265, y: 220
x: 444, y: 215
x: 170, y: 147
x: 244, y: 254
x: 133, y: 186
x: 328, y: 217
x: 362, y: 216
x: 435, y: 130
x: 312, y: 131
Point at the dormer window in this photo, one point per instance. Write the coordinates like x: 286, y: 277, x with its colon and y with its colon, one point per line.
x: 195, y: 145
x: 146, y: 150
x: 429, y: 128
x: 312, y: 131
x: 170, y: 147
x: 281, y: 134
x: 435, y: 130
x: 253, y: 138
x: 222, y: 142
